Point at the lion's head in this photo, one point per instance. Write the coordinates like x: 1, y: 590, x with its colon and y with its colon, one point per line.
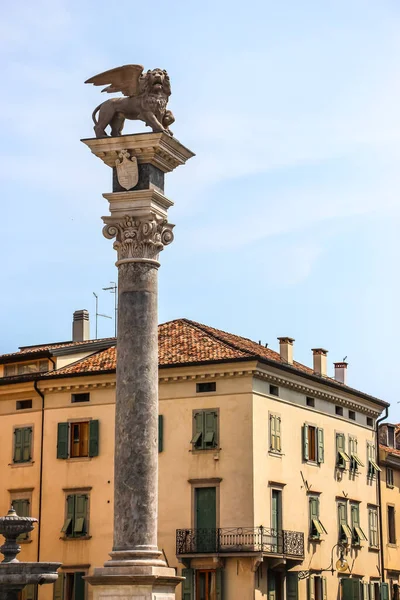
x: 157, y: 82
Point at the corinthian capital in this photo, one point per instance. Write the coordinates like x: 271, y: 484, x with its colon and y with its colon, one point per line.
x: 138, y: 239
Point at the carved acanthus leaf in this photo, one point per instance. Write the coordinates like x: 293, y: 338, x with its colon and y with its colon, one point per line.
x: 137, y: 237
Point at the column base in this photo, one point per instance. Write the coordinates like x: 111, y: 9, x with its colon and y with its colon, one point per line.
x: 134, y: 582
x: 141, y: 556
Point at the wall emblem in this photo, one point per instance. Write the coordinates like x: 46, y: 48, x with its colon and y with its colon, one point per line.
x: 127, y: 170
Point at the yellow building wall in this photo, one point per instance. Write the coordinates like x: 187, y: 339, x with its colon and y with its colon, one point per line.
x: 390, y: 496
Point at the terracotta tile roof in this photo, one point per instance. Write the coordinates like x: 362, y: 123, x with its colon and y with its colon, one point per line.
x: 28, y: 350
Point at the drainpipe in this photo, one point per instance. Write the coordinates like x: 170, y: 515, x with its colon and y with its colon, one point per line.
x: 378, y: 482
x: 40, y: 469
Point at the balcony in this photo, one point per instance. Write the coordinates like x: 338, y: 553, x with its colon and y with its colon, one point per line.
x: 227, y: 540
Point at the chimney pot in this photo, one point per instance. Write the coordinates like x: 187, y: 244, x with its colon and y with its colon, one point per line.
x: 341, y: 371
x: 81, y: 326
x: 320, y: 361
x: 286, y: 349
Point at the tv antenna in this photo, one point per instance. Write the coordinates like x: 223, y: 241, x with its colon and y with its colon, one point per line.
x: 97, y: 312
x: 113, y: 290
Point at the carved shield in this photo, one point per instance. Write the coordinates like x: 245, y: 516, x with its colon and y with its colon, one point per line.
x: 127, y: 170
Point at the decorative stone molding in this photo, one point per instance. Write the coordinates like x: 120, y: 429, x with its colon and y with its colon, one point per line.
x: 138, y: 239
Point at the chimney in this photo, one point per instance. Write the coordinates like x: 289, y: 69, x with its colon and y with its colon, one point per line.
x: 340, y: 371
x: 320, y: 361
x: 286, y: 349
x: 81, y: 326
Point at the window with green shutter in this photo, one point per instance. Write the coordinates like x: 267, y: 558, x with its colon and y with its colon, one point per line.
x: 313, y: 444
x: 188, y: 584
x: 205, y: 429
x: 23, y: 509
x: 316, y: 527
x: 373, y: 467
x: 77, y: 440
x: 160, y: 433
x: 351, y: 589
x: 58, y: 589
x: 317, y: 588
x: 275, y: 444
x: 341, y: 457
x: 355, y: 460
x: 62, y: 440
x: 93, y: 438
x: 345, y: 534
x: 292, y: 586
x: 76, y: 519
x: 373, y: 527
x: 389, y: 477
x: 22, y: 444
x: 357, y: 533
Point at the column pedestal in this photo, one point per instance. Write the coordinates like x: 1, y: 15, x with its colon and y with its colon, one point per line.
x: 138, y: 222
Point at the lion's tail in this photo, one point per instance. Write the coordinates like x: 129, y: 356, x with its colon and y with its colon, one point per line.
x: 96, y: 110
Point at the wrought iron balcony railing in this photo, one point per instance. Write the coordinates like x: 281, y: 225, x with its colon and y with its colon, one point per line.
x: 240, y: 539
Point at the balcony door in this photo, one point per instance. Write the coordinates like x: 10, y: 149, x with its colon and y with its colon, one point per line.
x: 206, y: 519
x: 276, y: 520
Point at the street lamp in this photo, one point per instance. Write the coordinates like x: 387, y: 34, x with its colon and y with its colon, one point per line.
x: 341, y: 564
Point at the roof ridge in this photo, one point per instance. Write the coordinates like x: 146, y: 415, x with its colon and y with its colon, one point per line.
x: 205, y: 329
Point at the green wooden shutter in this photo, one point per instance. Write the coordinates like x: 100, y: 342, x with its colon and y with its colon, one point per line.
x: 313, y: 504
x: 93, y: 438
x: 80, y: 521
x: 384, y: 591
x: 365, y: 590
x: 198, y: 437
x: 320, y: 446
x: 292, y: 586
x: 324, y: 588
x: 218, y: 583
x: 58, y: 590
x: 272, y: 432
x: 210, y: 429
x: 372, y: 591
x: 160, y: 433
x: 62, y: 440
x: 278, y: 433
x: 305, y: 442
x: 351, y: 589
x: 26, y: 444
x: 271, y: 586
x: 79, y: 586
x: 29, y: 592
x: 18, y: 441
x: 311, y: 587
x: 68, y: 527
x: 187, y: 585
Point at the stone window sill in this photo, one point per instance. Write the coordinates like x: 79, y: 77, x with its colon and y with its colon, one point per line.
x: 22, y: 542
x: 312, y: 463
x: 315, y: 540
x: 28, y: 463
x: 391, y: 545
x: 373, y: 548
x: 75, y: 539
x: 275, y: 453
x: 205, y: 450
x: 78, y: 459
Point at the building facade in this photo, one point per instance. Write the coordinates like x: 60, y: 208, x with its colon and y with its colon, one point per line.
x: 268, y: 468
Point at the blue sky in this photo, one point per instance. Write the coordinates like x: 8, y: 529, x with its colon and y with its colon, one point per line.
x: 286, y: 221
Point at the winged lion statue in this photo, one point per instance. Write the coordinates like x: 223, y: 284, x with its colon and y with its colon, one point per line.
x: 145, y: 99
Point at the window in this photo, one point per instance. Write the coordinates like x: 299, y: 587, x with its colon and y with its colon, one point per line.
x: 274, y: 390
x: 208, y: 584
x: 370, y: 422
x: 357, y: 533
x: 389, y: 477
x: 275, y: 433
x: 209, y: 386
x: 352, y: 589
x: 205, y: 429
x: 70, y: 586
x: 28, y: 593
x: 355, y: 461
x: 352, y: 415
x: 80, y: 397
x: 345, y: 534
x: 317, y: 588
x: 23, y: 509
x: 316, y: 527
x: 390, y: 436
x: 341, y: 457
x: 391, y: 524
x: 76, y: 440
x: 339, y: 410
x: 313, y: 444
x: 310, y: 401
x: 372, y: 466
x: 26, y: 368
x: 22, y: 444
x: 23, y: 404
x: 76, y: 520
x: 373, y: 527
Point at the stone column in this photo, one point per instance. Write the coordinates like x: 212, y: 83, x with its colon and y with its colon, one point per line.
x: 138, y: 222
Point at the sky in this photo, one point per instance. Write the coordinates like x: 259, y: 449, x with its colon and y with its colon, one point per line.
x: 287, y: 219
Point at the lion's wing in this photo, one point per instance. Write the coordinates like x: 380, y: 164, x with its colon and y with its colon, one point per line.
x: 123, y: 79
